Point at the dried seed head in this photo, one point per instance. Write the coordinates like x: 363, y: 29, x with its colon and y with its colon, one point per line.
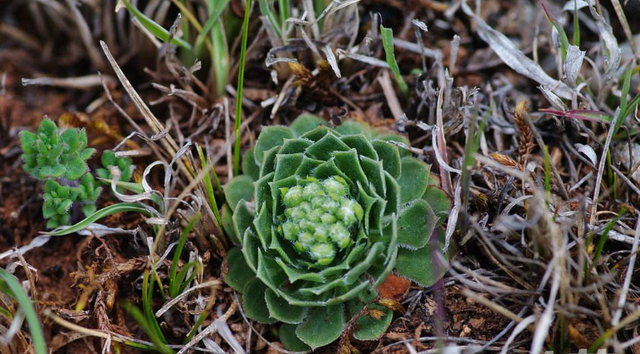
x: 503, y: 159
x: 527, y: 143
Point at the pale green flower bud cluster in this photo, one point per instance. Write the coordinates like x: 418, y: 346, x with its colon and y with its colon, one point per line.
x: 319, y: 217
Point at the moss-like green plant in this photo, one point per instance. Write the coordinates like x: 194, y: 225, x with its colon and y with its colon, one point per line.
x: 320, y: 218
x: 59, y: 159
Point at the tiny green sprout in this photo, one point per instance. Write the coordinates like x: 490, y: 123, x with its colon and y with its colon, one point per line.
x: 319, y: 219
x: 109, y: 159
x: 59, y: 159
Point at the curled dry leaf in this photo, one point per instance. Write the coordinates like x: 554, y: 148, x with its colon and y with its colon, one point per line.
x: 572, y: 64
x: 588, y: 152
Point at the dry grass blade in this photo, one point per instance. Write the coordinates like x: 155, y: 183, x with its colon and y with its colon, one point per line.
x: 622, y: 297
x: 572, y: 64
x: 85, y: 34
x: 625, y: 24
x: 215, y: 326
x: 210, y: 284
x: 495, y: 307
x: 157, y: 127
x: 79, y: 83
x: 19, y: 35
x: 390, y: 94
x: 601, y: 167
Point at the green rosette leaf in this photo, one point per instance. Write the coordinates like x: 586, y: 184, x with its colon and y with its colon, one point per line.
x: 249, y: 166
x: 322, y: 326
x: 425, y: 265
x: 255, y: 305
x: 239, y: 188
x: 287, y: 334
x: 239, y: 273
x: 269, y: 138
x: 306, y: 123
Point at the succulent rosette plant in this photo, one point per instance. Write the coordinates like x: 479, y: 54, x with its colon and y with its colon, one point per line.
x: 320, y: 217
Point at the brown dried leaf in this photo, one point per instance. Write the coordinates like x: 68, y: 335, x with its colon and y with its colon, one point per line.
x: 374, y: 313
x: 481, y: 202
x: 394, y: 287
x: 304, y: 75
x: 391, y: 304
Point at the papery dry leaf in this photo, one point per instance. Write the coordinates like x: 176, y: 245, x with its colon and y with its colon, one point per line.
x: 572, y: 64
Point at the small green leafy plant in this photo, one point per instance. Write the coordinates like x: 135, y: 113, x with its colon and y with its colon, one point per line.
x: 320, y: 218
x: 123, y: 164
x: 59, y: 159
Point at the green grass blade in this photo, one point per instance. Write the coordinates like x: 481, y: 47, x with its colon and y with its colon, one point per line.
x: 564, y: 40
x: 243, y: 57
x: 630, y: 108
x: 219, y: 45
x: 155, y: 28
x: 220, y: 60
x: 284, y: 8
x: 189, y: 18
x: 470, y: 150
x: 605, y: 233
x: 174, y: 286
x: 624, y: 98
x: 137, y: 315
x: 576, y: 24
x: 387, y: 43
x: 195, y: 267
x: 319, y: 6
x: 102, y: 213
x: 6, y: 313
x: 186, y: 56
x: 147, y: 307
x: 213, y: 19
x: 626, y: 107
x: 203, y: 316
x: 209, y: 187
x: 267, y: 11
x: 17, y: 293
